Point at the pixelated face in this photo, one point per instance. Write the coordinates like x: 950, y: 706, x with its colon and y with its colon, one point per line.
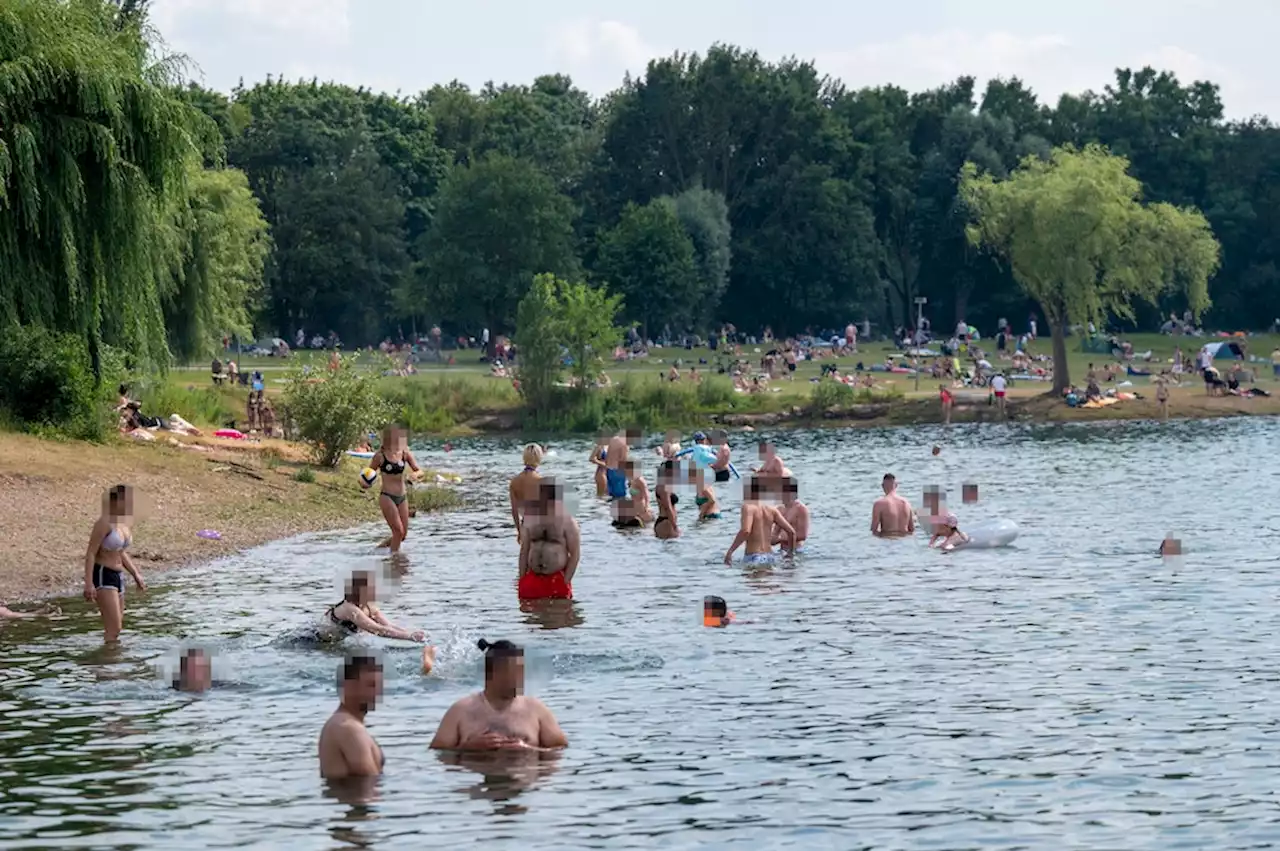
x: 366, y: 688
x: 506, y: 675
x: 969, y: 493
x: 119, y: 501
x: 765, y: 450
x: 195, y: 672
x: 673, y: 436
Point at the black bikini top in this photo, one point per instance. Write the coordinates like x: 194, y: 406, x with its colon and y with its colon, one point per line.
x: 391, y: 468
x: 349, y: 626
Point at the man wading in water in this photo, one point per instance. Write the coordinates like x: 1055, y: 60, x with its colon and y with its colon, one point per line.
x: 500, y: 717
x: 550, y: 546
x: 615, y: 470
x: 757, y: 529
x: 346, y: 748
x: 892, y: 516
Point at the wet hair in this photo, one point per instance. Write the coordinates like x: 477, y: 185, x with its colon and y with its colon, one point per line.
x: 890, y: 477
x: 501, y: 649
x: 716, y: 605
x: 356, y: 664
x: 533, y: 455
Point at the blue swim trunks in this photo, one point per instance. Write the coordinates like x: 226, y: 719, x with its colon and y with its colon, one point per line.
x: 616, y: 483
x: 759, y: 558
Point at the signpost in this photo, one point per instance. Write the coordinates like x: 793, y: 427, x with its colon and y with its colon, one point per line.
x: 921, y: 301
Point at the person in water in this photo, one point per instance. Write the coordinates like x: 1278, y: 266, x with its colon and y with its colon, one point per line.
x: 346, y: 748
x: 106, y: 559
x: 599, y: 457
x: 671, y: 446
x: 47, y: 611
x: 758, y: 523
x: 550, y: 548
x: 708, y: 505
x: 665, y: 526
x: 771, y: 466
x: 715, y: 612
x: 794, y: 512
x: 523, y: 489
x: 195, y: 671
x: 616, y: 464
x: 947, y: 534
x: 501, y: 717
x: 391, y: 460
x: 892, y: 516
x: 356, y: 612
x: 720, y: 466
x: 635, y: 512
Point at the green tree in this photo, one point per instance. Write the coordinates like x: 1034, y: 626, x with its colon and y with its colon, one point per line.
x: 649, y: 258
x: 705, y: 217
x: 561, y: 322
x: 498, y: 223
x: 93, y: 148
x: 333, y: 409
x: 1080, y: 242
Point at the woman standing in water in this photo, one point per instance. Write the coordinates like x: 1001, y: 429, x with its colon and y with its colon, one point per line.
x: 664, y: 527
x: 598, y: 456
x: 106, y: 559
x: 356, y: 613
x: 524, y: 485
x: 390, y: 460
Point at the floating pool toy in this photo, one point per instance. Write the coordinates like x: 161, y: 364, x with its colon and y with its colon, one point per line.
x: 367, y: 477
x: 355, y: 454
x: 704, y: 456
x: 230, y: 433
x: 209, y: 535
x: 987, y: 536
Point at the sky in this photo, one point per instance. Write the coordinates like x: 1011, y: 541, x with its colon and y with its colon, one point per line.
x: 410, y: 45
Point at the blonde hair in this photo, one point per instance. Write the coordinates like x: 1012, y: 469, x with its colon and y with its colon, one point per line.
x: 533, y: 455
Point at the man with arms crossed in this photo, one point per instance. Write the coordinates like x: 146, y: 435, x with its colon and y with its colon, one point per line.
x: 892, y: 516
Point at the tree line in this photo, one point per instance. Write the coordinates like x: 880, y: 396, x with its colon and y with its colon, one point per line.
x: 156, y: 216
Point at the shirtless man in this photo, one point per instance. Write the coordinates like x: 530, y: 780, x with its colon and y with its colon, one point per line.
x: 794, y: 512
x: 758, y: 523
x: 615, y: 470
x: 549, y: 548
x: 500, y: 717
x: 771, y: 466
x: 346, y: 748
x: 721, y: 465
x: 892, y: 516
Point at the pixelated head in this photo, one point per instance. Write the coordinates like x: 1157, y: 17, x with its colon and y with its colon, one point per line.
x: 118, y: 501
x: 361, y: 680
x: 672, y: 436
x: 503, y: 667
x: 700, y: 437
x: 765, y: 450
x: 195, y: 671
x: 550, y: 492
x: 632, y: 434
x: 969, y: 493
x: 393, y: 437
x: 790, y: 490
x: 360, y: 588
x: 756, y: 489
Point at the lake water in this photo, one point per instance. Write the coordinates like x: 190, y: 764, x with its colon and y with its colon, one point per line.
x: 1071, y: 691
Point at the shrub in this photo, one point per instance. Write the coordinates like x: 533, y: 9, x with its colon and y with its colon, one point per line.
x: 306, y: 475
x: 829, y: 393
x: 46, y: 381
x: 430, y: 498
x: 332, y: 409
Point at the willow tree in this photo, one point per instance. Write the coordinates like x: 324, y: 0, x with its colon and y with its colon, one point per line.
x: 1079, y: 240
x: 94, y: 148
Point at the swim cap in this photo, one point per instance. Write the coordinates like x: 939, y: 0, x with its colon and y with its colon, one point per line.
x: 950, y: 520
x: 699, y: 435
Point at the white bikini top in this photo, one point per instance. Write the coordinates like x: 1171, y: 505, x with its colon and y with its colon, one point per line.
x: 114, y: 542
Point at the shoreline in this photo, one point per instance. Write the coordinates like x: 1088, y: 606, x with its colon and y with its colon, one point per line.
x: 51, y: 491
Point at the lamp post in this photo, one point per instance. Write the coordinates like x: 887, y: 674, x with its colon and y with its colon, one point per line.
x: 921, y: 301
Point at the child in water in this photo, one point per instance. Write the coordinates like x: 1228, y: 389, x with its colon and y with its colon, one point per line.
x: 947, y: 535
x: 715, y: 612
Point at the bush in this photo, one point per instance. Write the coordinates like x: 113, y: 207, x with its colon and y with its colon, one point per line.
x: 829, y: 393
x: 214, y: 406
x: 332, y: 409
x: 426, y: 406
x: 428, y: 498
x: 46, y: 381
x: 306, y: 475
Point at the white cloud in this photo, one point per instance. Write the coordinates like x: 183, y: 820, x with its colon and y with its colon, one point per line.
x: 325, y: 20
x: 600, y: 52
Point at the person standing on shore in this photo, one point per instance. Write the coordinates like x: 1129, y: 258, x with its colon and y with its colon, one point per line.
x: 998, y: 384
x: 1162, y: 397
x: 523, y: 489
x: 346, y: 748
x: 892, y: 516
x: 106, y: 559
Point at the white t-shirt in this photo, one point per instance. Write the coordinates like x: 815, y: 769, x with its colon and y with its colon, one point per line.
x: 997, y: 384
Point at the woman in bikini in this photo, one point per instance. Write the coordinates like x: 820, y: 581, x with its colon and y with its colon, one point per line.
x: 106, y: 560
x: 390, y: 461
x: 665, y: 527
x: 524, y: 485
x: 356, y: 613
x: 598, y: 456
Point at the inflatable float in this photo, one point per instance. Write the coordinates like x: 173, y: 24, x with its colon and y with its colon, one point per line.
x: 990, y: 535
x: 704, y: 457
x: 355, y: 454
x: 231, y: 433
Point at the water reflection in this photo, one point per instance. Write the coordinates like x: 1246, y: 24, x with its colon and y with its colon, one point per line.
x: 505, y: 775
x: 552, y: 614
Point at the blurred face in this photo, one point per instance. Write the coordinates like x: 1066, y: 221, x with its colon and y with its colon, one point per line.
x: 120, y: 504
x: 365, y: 690
x: 506, y: 676
x: 395, y: 437
x: 195, y: 673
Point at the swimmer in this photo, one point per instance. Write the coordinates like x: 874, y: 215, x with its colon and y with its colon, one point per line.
x: 715, y: 612
x: 195, y: 673
x: 356, y: 612
x: 665, y: 527
x: 947, y: 534
x: 524, y: 485
x: 391, y: 460
x: 106, y: 556
x: 708, y: 505
x: 771, y: 466
x: 501, y: 717
x: 671, y: 447
x: 550, y: 549
x: 756, y: 531
x: 616, y: 463
x: 937, y: 450
x: 346, y: 747
x: 47, y: 611
x: 1170, y: 546
x: 721, y: 465
x: 635, y: 512
x: 892, y: 516
x: 599, y: 455
x: 794, y: 512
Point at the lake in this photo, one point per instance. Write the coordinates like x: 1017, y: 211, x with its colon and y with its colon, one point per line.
x: 1073, y: 690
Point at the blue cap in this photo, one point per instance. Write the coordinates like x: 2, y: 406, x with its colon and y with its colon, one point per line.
x: 699, y: 435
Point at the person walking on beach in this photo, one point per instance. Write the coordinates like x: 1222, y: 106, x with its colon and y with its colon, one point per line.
x: 390, y: 460
x: 501, y: 717
x: 892, y: 516
x: 1162, y: 397
x: 346, y: 748
x: 523, y: 489
x: 106, y: 559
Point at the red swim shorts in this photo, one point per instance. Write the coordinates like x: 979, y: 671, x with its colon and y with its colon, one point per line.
x: 544, y: 586
x: 999, y: 394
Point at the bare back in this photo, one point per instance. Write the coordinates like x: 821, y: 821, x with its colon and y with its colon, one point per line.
x: 892, y: 517
x: 347, y: 749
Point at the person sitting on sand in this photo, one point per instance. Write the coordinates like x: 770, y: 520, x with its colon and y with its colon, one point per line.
x: 356, y: 612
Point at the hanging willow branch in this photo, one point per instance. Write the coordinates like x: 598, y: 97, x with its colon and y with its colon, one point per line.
x: 92, y: 154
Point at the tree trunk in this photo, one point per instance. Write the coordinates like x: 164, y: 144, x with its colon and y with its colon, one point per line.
x: 1061, y: 379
